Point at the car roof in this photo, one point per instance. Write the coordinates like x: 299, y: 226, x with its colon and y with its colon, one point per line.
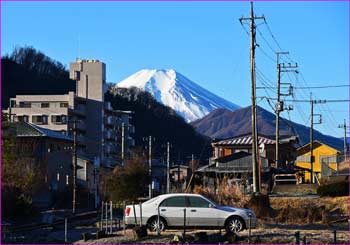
x: 179, y: 194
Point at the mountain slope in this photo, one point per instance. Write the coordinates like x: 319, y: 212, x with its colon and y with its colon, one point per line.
x: 223, y: 123
x: 173, y: 89
x: 153, y: 118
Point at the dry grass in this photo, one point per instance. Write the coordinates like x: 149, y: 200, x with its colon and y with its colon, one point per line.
x: 307, y: 210
x: 225, y: 194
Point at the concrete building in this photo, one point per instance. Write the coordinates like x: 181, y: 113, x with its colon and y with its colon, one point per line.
x: 103, y: 133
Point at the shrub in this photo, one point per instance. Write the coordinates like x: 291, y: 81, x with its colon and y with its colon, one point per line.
x: 225, y: 194
x: 260, y: 204
x: 334, y: 189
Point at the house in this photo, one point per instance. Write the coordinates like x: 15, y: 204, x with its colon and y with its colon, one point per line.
x: 50, y: 153
x: 266, y: 144
x: 237, y: 167
x: 326, y: 161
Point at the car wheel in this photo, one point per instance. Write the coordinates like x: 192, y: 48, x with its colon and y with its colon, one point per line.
x: 153, y: 224
x: 234, y: 224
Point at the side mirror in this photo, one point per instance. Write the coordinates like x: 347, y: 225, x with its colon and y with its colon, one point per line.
x: 211, y: 205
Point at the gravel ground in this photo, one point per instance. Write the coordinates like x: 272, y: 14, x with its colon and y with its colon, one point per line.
x: 266, y: 233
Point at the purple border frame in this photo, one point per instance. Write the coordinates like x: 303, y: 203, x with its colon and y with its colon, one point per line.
x: 147, y: 1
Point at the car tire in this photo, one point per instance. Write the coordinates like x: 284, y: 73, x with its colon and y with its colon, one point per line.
x: 152, y: 224
x: 234, y: 224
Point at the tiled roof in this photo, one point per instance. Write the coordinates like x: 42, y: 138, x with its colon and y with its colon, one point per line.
x: 32, y: 130
x: 245, y: 140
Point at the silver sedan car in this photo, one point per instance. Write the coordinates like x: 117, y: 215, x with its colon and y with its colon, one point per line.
x: 196, y: 211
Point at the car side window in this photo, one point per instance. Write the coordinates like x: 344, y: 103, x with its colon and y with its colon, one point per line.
x: 198, y: 202
x: 174, y: 202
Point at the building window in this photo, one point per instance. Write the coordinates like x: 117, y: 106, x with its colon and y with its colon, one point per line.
x: 24, y: 104
x: 63, y: 104
x: 23, y: 118
x: 67, y: 179
x: 45, y: 105
x: 41, y: 119
x: 59, y: 119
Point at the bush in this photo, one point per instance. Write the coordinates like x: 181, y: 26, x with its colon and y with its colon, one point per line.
x: 260, y: 204
x: 334, y: 189
x: 226, y: 194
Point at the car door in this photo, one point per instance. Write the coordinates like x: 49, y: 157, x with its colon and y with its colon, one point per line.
x: 201, y: 212
x: 172, y: 209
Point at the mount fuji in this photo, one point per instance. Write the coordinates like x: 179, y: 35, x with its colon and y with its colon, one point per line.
x: 173, y: 89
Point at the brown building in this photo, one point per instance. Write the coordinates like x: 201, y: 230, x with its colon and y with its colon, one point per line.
x: 50, y: 153
x: 266, y: 144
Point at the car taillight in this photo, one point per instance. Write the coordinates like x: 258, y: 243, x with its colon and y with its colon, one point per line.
x: 127, y: 211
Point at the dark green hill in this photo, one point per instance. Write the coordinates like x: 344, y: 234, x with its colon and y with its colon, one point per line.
x: 153, y: 118
x: 28, y: 71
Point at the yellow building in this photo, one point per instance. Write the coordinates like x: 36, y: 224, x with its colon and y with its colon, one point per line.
x: 321, y: 152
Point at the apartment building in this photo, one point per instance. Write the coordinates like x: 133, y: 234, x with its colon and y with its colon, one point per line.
x: 103, y: 132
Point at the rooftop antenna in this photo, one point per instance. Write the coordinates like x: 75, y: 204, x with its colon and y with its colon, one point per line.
x: 78, y: 46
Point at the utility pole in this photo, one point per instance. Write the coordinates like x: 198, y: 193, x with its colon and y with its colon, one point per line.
x: 74, y: 165
x: 344, y: 126
x: 311, y: 140
x: 149, y: 139
x: 192, y: 161
x: 150, y: 166
x: 252, y: 19
x: 312, y: 102
x: 123, y: 140
x: 279, y: 104
x: 278, y: 109
x: 168, y: 167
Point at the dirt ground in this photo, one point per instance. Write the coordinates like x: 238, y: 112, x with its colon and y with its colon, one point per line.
x: 266, y: 233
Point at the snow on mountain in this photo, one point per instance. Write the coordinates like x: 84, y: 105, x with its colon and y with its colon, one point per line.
x: 173, y: 89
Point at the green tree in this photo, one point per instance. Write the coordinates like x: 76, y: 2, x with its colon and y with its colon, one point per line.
x: 18, y: 176
x: 129, y: 182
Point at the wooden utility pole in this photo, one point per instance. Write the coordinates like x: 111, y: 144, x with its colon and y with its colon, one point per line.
x: 252, y: 19
x: 74, y: 165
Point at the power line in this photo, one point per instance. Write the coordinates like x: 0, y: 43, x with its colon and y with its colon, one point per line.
x: 273, y: 37
x: 326, y: 86
x: 308, y: 101
x: 312, y: 87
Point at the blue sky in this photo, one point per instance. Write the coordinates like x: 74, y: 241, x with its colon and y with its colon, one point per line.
x: 202, y: 40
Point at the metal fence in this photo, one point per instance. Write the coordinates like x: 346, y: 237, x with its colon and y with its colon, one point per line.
x: 334, y: 165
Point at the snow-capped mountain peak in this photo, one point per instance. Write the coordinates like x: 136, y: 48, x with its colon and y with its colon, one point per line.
x: 173, y: 89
